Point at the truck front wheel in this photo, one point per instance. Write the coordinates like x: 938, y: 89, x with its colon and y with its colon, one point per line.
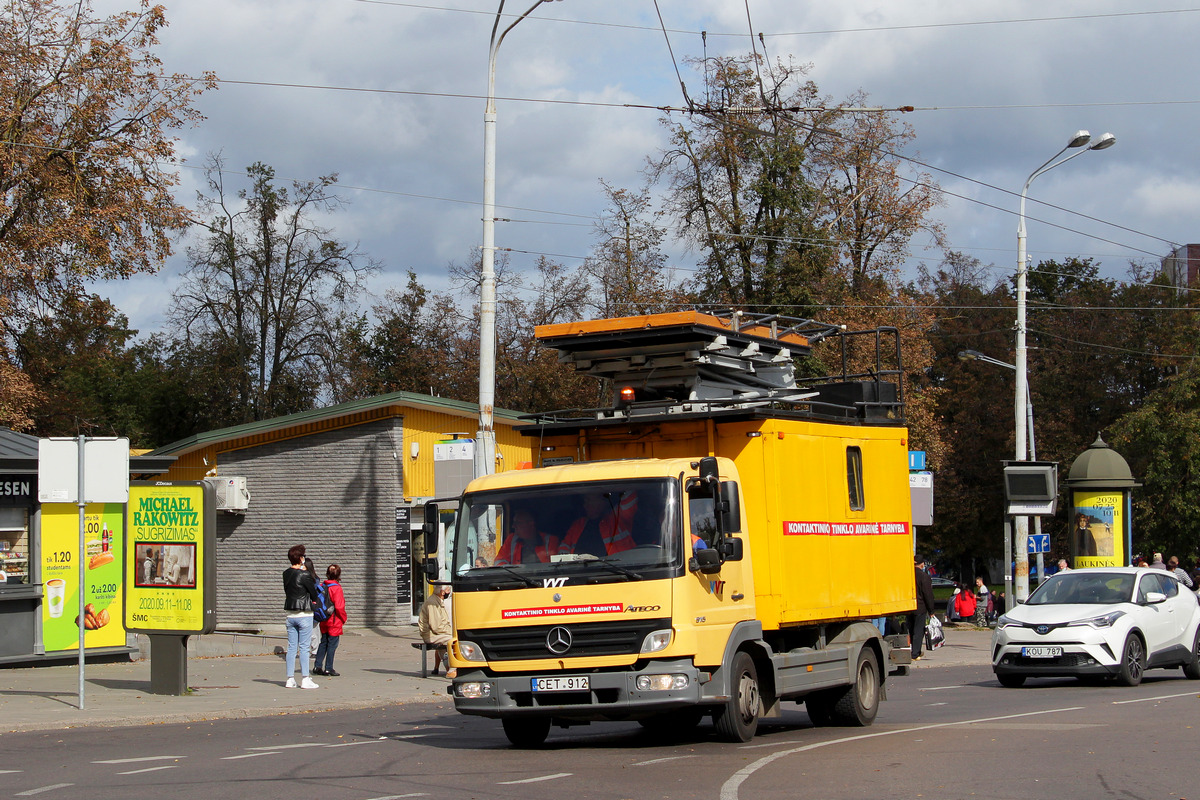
x: 526, y: 732
x: 737, y: 720
x: 860, y: 703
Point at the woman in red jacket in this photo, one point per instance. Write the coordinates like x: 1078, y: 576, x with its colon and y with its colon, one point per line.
x: 331, y: 629
x: 964, y: 605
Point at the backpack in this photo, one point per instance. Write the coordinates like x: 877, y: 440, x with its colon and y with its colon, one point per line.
x: 323, y: 605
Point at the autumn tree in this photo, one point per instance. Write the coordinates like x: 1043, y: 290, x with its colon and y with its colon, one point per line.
x: 628, y: 266
x: 86, y: 153
x: 267, y: 290
x: 739, y: 190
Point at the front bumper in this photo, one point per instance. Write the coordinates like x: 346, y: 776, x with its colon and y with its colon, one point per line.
x: 612, y: 694
x: 1094, y: 656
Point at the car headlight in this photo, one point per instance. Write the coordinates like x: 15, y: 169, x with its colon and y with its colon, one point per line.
x: 1102, y: 621
x: 1005, y: 622
x: 469, y: 651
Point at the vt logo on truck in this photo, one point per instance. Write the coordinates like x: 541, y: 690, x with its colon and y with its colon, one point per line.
x: 548, y: 582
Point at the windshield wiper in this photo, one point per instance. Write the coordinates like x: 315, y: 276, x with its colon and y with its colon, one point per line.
x: 617, y: 568
x: 525, y: 579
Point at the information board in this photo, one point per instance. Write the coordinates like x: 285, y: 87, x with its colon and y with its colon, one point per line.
x: 170, y: 581
x: 403, y: 556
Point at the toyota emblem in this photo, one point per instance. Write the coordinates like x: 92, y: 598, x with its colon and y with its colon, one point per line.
x: 1042, y: 629
x: 558, y: 640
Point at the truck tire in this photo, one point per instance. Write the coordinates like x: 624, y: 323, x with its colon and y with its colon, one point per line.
x: 737, y: 720
x: 859, y: 704
x: 1133, y: 662
x: 819, y: 706
x: 526, y: 732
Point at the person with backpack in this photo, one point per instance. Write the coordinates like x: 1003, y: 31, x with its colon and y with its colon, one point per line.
x: 299, y: 592
x: 330, y: 611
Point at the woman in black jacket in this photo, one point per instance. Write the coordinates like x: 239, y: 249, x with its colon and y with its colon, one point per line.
x: 299, y: 590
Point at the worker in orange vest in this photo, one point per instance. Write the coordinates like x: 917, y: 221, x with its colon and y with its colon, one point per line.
x: 606, y: 526
x: 526, y: 543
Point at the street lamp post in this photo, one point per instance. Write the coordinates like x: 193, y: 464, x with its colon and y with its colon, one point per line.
x: 485, y: 446
x: 1021, y: 393
x: 975, y: 355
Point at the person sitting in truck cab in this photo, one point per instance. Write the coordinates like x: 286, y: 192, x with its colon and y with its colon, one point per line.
x: 526, y: 544
x: 606, y: 527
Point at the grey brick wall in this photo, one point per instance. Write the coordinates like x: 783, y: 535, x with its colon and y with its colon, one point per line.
x: 335, y: 492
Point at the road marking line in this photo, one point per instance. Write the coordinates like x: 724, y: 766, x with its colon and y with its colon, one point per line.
x: 351, y: 744
x: 137, y: 760
x: 940, y: 688
x: 290, y: 746
x: 729, y: 790
x: 1147, y: 699
x: 49, y: 788
x: 249, y: 755
x: 401, y: 796
x: 555, y: 776
x: 148, y: 769
x: 660, y: 760
x: 9, y: 771
x: 931, y: 705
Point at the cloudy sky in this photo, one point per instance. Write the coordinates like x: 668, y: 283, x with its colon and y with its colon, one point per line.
x: 394, y: 105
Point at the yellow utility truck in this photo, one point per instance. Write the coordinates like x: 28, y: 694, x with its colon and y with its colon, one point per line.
x: 716, y: 543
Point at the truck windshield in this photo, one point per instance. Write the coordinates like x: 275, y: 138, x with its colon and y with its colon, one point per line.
x: 585, y: 533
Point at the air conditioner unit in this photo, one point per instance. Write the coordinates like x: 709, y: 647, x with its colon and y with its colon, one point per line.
x: 232, y: 494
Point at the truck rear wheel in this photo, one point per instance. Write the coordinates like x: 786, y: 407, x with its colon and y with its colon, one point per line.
x: 860, y: 702
x: 819, y: 706
x: 526, y: 732
x: 737, y: 720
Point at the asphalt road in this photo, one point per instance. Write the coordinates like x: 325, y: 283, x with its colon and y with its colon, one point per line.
x: 943, y: 733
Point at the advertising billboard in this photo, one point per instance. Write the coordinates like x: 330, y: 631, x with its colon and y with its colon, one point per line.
x: 170, y: 581
x: 101, y: 565
x: 1097, y: 534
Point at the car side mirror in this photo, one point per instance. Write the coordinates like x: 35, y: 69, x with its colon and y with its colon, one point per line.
x: 1154, y: 598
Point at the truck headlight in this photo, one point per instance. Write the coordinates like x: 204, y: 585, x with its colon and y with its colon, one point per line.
x: 656, y: 641
x: 469, y: 651
x: 473, y: 690
x: 661, y: 683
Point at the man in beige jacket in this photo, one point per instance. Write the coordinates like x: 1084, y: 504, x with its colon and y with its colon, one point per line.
x: 434, y: 625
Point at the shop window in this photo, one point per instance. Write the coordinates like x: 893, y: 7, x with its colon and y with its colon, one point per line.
x: 14, y: 546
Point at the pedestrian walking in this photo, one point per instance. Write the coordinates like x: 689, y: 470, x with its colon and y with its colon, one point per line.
x: 331, y: 629
x: 982, y: 596
x: 925, y: 606
x: 299, y: 592
x: 436, y: 627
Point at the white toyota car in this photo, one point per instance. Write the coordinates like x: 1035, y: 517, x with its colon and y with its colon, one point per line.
x: 1100, y: 623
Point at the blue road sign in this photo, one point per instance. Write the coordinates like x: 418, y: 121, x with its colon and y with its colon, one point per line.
x: 916, y: 460
x: 1039, y: 543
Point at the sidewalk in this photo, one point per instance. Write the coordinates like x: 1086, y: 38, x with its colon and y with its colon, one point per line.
x: 378, y: 667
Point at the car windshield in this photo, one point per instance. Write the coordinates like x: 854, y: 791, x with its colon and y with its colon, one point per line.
x: 1084, y: 587
x: 541, y: 535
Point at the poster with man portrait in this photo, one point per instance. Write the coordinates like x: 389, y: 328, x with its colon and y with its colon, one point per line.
x: 1096, y: 536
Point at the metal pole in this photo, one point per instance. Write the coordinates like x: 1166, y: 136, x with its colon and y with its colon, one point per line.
x: 485, y: 442
x: 82, y: 564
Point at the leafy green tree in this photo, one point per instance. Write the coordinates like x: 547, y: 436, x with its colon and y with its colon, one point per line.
x: 268, y: 290
x: 1161, y: 442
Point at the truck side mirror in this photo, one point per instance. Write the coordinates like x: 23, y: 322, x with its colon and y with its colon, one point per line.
x: 431, y: 569
x: 729, y: 513
x: 731, y: 548
x: 709, y: 473
x: 430, y: 528
x: 707, y: 562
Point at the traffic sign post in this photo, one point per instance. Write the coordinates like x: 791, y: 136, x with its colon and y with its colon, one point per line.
x: 1039, y: 543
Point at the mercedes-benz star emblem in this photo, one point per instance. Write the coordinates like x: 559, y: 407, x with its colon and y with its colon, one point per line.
x: 558, y: 640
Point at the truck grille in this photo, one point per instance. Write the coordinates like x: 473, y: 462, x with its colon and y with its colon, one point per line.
x: 587, y: 639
